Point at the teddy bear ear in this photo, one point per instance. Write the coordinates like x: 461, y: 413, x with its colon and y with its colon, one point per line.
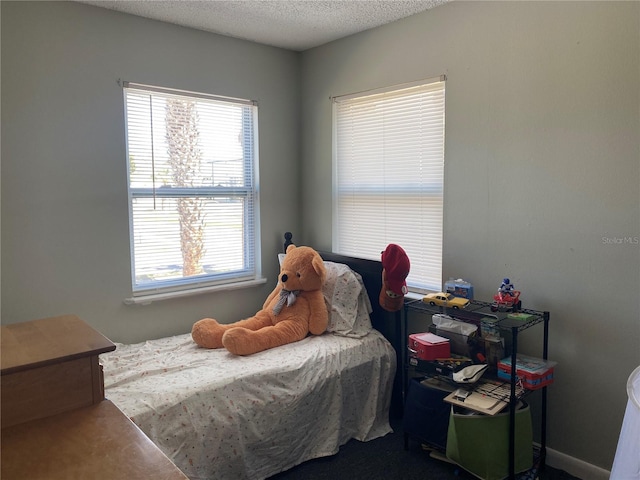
x: 318, y: 266
x: 290, y: 247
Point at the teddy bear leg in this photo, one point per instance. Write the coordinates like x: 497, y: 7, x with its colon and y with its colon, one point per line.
x: 207, y: 333
x: 241, y: 341
x: 259, y: 320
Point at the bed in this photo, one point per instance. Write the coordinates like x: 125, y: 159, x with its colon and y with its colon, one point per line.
x: 220, y: 416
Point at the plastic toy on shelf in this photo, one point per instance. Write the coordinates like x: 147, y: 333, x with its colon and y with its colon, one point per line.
x: 507, y: 299
x: 443, y: 299
x: 506, y: 303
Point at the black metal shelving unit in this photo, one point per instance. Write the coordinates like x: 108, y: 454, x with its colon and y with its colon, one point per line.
x: 479, y: 313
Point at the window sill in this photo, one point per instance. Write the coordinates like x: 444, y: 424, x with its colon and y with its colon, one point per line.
x: 414, y: 296
x: 157, y: 297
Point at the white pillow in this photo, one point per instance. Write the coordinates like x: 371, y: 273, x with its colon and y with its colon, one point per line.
x: 346, y: 299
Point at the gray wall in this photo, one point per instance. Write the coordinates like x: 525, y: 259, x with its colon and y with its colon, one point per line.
x: 542, y: 161
x: 65, y: 240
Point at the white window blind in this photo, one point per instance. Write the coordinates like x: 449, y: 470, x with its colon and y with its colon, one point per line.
x: 389, y: 174
x: 192, y: 168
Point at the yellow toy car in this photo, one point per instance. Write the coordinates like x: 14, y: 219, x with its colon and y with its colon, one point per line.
x: 442, y: 299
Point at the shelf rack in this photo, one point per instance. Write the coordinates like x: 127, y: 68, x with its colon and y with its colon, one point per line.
x: 481, y: 313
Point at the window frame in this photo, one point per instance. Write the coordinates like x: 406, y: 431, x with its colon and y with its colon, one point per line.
x: 247, y: 193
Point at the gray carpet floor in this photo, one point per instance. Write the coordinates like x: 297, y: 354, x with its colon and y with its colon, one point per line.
x: 386, y: 459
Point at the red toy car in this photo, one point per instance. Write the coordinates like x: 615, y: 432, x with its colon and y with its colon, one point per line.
x: 506, y: 302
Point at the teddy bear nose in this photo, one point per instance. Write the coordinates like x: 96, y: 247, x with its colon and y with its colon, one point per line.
x: 284, y: 277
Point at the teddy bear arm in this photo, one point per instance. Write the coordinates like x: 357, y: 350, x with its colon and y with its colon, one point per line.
x: 319, y: 316
x: 272, y: 295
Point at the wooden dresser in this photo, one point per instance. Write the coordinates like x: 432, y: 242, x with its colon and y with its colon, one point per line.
x: 56, y: 423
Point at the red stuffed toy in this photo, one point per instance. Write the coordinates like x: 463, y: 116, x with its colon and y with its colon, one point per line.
x: 395, y: 268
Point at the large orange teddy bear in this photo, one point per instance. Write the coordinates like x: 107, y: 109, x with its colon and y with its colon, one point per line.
x: 294, y: 309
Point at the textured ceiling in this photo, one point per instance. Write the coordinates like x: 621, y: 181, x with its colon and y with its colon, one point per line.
x: 291, y: 24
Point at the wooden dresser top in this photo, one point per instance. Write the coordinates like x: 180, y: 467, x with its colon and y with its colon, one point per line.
x: 97, y: 442
x: 49, y: 340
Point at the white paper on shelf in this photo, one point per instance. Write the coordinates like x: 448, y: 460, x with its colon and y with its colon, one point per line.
x: 445, y: 322
x: 431, y: 338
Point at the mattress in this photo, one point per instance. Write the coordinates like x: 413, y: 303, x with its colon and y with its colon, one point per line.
x: 220, y: 416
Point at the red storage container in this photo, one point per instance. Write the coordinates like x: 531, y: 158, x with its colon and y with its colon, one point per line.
x: 427, y: 346
x: 534, y: 372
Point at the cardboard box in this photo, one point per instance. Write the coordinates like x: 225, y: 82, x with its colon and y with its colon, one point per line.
x: 459, y: 288
x: 458, y: 332
x: 523, y: 317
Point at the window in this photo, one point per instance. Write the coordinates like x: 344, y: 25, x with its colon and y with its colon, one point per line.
x: 389, y: 174
x: 193, y: 206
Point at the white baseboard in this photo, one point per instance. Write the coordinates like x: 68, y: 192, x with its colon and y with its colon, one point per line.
x: 575, y: 467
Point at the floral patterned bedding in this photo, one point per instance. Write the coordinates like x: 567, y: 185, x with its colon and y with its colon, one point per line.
x: 220, y: 416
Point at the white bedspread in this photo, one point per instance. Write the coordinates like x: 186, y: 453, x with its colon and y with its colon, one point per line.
x: 220, y: 416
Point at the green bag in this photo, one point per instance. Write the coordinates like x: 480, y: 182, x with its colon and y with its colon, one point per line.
x: 480, y: 443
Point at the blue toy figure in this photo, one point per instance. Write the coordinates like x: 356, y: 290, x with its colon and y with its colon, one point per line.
x: 506, y: 288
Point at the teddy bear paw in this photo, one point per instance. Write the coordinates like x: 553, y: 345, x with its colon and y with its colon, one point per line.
x: 237, y: 341
x: 207, y: 333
